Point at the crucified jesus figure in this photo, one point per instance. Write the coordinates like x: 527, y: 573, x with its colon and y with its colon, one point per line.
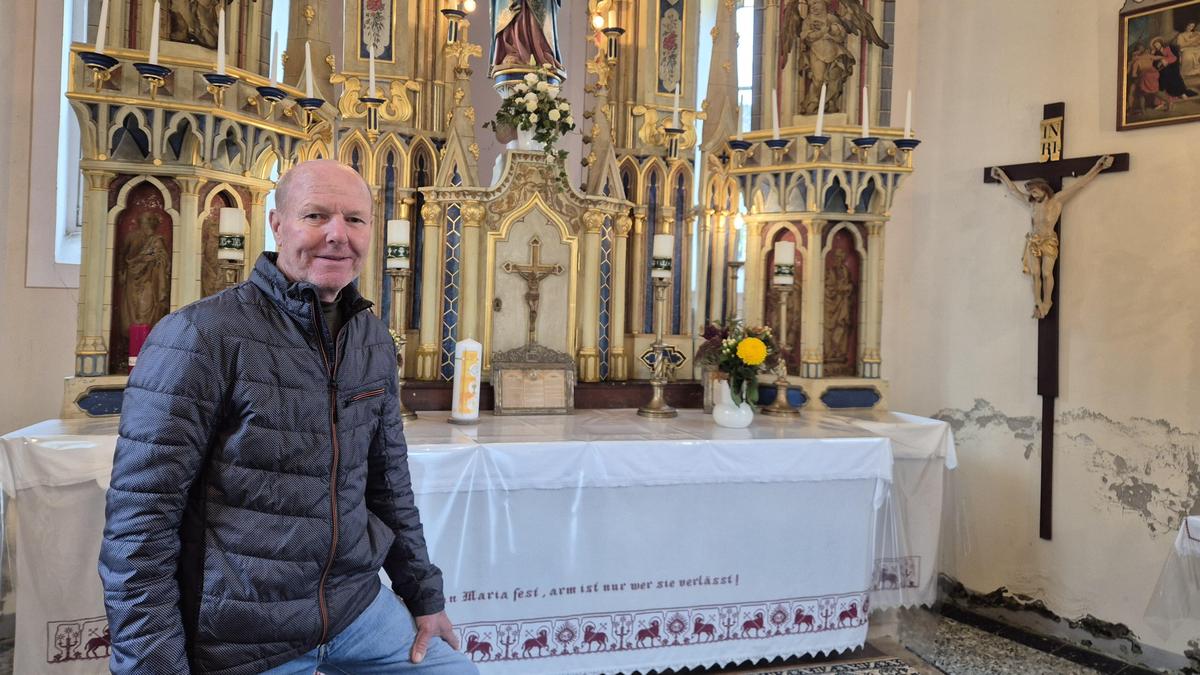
x: 1041, y: 244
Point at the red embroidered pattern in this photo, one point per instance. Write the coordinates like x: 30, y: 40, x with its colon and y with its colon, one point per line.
x: 77, y: 640
x: 655, y: 628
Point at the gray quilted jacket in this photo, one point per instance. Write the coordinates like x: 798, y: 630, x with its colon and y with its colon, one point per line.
x: 260, y: 482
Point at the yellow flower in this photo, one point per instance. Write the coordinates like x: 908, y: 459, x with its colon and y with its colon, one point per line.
x: 752, y: 351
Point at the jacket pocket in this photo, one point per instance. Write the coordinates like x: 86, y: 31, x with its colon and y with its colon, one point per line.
x: 364, y: 395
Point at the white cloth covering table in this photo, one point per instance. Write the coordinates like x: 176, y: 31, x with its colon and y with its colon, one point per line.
x: 594, y: 542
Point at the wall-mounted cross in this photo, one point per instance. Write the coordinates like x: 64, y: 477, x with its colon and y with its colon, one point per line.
x: 1046, y: 194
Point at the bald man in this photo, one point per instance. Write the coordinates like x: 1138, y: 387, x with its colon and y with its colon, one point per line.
x: 261, y: 476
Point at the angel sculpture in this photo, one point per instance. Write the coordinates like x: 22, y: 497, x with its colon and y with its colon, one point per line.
x: 818, y: 35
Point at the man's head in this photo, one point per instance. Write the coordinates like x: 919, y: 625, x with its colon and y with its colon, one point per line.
x: 1191, y: 26
x: 148, y: 221
x: 322, y: 225
x: 1039, y: 190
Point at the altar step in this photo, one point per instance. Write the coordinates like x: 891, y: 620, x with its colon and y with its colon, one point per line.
x: 632, y: 394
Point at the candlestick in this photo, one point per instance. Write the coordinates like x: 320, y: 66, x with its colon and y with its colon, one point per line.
x: 398, y: 329
x: 657, y: 407
x: 774, y: 115
x: 102, y: 27
x: 821, y: 113
x: 371, y: 70
x: 675, y: 115
x: 221, y: 41
x: 308, y: 74
x: 154, y: 35
x: 781, y: 407
x: 908, y: 115
x: 274, y: 65
x: 866, y: 105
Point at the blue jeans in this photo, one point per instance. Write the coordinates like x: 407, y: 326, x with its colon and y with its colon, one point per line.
x: 378, y: 641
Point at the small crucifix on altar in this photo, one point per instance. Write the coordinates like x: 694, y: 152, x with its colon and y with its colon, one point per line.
x: 533, y: 273
x: 1045, y: 193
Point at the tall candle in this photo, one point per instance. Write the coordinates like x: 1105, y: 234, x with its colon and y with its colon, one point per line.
x: 232, y: 221
x: 866, y: 106
x: 371, y: 70
x: 664, y: 245
x: 274, y: 65
x: 675, y: 115
x: 398, y: 232
x: 774, y: 114
x: 737, y: 117
x: 821, y: 112
x: 308, y: 76
x: 468, y: 363
x: 785, y: 254
x: 154, y: 34
x: 908, y: 116
x: 221, y: 41
x: 102, y: 27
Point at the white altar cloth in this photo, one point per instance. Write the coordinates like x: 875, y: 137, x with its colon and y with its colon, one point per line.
x: 598, y: 541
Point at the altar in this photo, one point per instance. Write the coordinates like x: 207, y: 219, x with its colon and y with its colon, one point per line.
x: 594, y: 542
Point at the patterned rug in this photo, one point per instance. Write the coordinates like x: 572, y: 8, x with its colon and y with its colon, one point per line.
x: 877, y: 666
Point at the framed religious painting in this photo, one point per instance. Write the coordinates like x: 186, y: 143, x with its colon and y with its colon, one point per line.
x: 1159, y: 78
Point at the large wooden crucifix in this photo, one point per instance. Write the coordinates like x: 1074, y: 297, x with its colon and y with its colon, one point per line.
x: 1045, y: 193
x: 533, y: 273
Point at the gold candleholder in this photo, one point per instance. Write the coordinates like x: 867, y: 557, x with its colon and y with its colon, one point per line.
x: 373, y: 104
x: 657, y: 407
x: 734, y: 268
x: 780, y: 406
x: 400, y: 278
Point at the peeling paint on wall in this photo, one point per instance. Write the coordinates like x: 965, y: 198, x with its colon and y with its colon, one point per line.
x: 1148, y: 467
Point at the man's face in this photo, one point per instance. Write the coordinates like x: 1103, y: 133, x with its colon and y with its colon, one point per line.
x: 324, y: 230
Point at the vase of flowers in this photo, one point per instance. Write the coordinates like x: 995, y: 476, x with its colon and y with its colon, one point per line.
x: 739, y: 353
x: 535, y: 108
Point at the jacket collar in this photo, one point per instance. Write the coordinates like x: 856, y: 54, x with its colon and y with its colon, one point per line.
x: 298, y: 299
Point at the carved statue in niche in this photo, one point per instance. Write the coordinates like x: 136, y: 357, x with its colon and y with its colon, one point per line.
x: 144, y: 273
x: 210, y: 269
x: 839, y: 296
x: 819, y: 36
x: 523, y: 30
x: 194, y: 21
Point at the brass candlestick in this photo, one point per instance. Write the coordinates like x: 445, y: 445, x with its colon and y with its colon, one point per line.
x: 400, y: 279
x: 657, y: 407
x: 780, y: 406
x: 731, y: 292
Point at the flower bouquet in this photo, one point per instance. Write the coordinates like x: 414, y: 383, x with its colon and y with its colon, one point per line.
x: 739, y: 353
x: 536, y: 105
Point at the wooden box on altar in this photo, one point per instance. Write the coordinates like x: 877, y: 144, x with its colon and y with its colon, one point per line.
x: 533, y: 380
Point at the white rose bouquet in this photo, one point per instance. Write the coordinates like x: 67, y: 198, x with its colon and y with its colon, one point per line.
x: 536, y: 104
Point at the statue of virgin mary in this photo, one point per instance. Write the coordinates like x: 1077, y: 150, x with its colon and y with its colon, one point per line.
x: 523, y: 30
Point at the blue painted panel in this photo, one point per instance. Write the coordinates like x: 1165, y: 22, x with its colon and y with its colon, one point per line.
x: 451, y: 279
x: 99, y: 402
x: 865, y: 397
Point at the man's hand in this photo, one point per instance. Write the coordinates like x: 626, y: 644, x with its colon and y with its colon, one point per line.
x: 429, y: 627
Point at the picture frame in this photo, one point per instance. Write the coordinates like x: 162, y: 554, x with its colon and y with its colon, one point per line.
x: 1158, y: 80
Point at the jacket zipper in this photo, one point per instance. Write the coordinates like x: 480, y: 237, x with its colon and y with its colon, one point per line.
x: 333, y: 422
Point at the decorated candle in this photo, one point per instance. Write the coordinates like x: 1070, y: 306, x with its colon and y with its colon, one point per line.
x: 468, y: 360
x: 664, y: 249
x: 231, y: 232
x: 785, y: 262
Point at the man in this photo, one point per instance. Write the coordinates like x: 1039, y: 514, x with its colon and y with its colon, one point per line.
x: 261, y: 475
x: 1041, y: 244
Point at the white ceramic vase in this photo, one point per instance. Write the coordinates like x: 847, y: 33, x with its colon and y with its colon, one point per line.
x: 524, y: 141
x: 725, y: 413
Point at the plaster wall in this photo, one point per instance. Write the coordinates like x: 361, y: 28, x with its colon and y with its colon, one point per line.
x: 37, y: 325
x: 959, y: 342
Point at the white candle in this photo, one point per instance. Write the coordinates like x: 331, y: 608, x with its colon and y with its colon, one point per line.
x: 468, y: 362
x: 664, y: 249
x: 866, y: 103
x: 273, y: 69
x: 154, y: 35
x: 774, y: 115
x: 232, y: 221
x: 821, y: 112
x: 737, y: 121
x: 102, y: 27
x: 785, y: 252
x: 908, y: 116
x: 221, y: 41
x: 675, y: 115
x: 308, y: 76
x: 612, y: 17
x: 398, y: 232
x: 371, y: 70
